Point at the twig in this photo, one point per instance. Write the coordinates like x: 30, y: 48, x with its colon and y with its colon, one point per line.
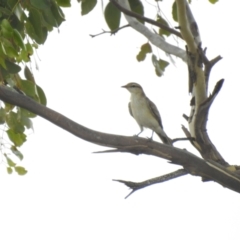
x: 135, y: 186
x: 182, y: 139
x: 111, y: 32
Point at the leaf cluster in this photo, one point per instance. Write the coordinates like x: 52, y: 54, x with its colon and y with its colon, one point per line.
x: 23, y: 26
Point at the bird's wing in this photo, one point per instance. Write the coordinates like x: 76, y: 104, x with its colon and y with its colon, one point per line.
x: 155, y: 112
x: 130, y: 109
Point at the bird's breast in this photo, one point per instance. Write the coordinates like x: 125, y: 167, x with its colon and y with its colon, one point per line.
x: 142, y: 113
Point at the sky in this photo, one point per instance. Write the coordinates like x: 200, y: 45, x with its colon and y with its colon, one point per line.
x: 68, y: 192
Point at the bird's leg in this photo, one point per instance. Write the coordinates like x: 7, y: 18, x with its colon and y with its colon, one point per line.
x: 139, y: 133
x: 151, y: 138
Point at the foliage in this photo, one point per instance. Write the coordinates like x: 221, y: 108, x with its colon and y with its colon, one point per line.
x: 23, y: 26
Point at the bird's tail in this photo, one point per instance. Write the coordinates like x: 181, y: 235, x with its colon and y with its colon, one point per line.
x: 163, y: 136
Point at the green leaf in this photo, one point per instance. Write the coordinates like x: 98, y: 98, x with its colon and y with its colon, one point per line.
x: 174, y: 12
x: 16, y: 152
x: 87, y: 6
x: 159, y: 65
x: 20, y: 170
x: 14, y: 123
x: 49, y: 17
x: 17, y: 138
x: 11, y: 52
x: 64, y: 3
x: 9, y: 170
x: 28, y: 74
x: 12, y: 67
x: 40, y: 4
x: 27, y: 122
x: 10, y: 162
x: 8, y: 107
x: 213, y: 1
x: 2, y: 115
x: 12, y: 3
x: 112, y: 16
x: 27, y: 113
x: 145, y: 49
x: 28, y: 87
x: 58, y: 13
x: 163, y: 21
x: 137, y: 7
x: 18, y: 39
x: 6, y: 27
x: 5, y: 11
x: 42, y: 96
x: 35, y: 27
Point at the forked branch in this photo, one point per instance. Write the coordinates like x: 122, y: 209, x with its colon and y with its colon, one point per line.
x: 192, y: 164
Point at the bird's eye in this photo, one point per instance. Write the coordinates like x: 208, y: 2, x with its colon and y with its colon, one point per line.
x: 134, y: 86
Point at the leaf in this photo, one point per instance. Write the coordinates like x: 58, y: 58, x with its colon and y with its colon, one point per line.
x: 16, y: 152
x: 28, y: 87
x: 42, y: 96
x: 145, y: 48
x: 14, y: 123
x: 17, y: 138
x: 213, y: 1
x: 159, y: 65
x: 137, y: 7
x: 27, y: 113
x: 12, y: 3
x: 18, y: 39
x: 2, y: 115
x: 28, y: 74
x: 5, y: 11
x: 40, y: 4
x: 163, y: 21
x: 58, y: 13
x: 35, y: 27
x: 10, y: 162
x: 9, y: 170
x: 8, y: 107
x: 12, y: 67
x: 20, y: 170
x: 6, y: 27
x: 49, y: 17
x: 64, y: 3
x: 27, y: 122
x: 174, y: 12
x: 112, y: 16
x: 87, y: 6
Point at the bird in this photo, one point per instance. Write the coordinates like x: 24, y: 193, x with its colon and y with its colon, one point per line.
x: 145, y: 112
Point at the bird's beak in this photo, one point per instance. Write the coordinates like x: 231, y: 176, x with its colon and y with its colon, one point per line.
x: 125, y: 86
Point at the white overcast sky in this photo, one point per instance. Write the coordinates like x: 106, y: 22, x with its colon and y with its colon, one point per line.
x: 68, y: 192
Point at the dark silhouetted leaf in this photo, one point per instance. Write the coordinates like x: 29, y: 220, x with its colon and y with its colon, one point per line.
x: 112, y: 16
x: 87, y: 6
x: 137, y: 7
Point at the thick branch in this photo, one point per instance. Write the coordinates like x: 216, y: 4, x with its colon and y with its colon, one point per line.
x: 155, y: 39
x: 148, y: 20
x: 193, y: 164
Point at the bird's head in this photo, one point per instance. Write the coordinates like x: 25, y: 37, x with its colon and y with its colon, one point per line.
x: 133, y: 87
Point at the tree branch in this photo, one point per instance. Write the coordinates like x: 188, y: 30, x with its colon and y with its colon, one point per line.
x: 155, y: 39
x: 148, y: 20
x: 191, y: 163
x: 111, y: 32
x: 135, y: 186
